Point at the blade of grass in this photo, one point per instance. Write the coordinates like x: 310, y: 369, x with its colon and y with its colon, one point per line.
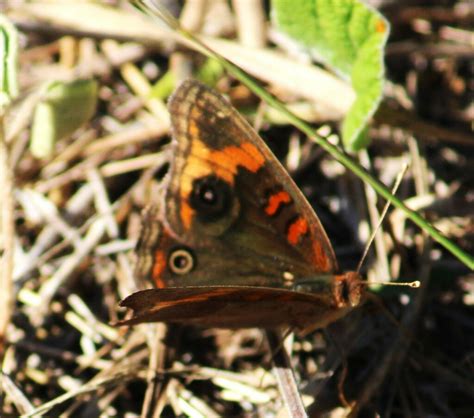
x: 339, y: 155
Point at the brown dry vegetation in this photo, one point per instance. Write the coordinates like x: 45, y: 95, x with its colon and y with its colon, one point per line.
x: 77, y: 218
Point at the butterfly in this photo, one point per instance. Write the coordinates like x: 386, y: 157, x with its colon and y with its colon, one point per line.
x: 230, y: 241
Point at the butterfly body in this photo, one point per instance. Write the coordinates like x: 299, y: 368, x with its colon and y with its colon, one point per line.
x: 231, y: 237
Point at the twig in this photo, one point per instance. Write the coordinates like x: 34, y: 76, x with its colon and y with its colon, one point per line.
x: 63, y: 273
x: 95, y: 384
x: 14, y: 394
x: 285, y: 376
x: 251, y: 23
x: 161, y: 358
x: 126, y: 137
x: 46, y: 238
x: 424, y: 131
x: 7, y: 238
x: 134, y: 164
x: 102, y: 202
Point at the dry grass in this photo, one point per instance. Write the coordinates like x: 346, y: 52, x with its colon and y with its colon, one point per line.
x: 77, y: 217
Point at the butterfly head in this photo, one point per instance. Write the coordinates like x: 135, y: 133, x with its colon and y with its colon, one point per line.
x: 348, y: 289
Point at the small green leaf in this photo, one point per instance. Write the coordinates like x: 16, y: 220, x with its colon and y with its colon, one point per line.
x: 350, y: 37
x: 210, y: 72
x: 164, y: 86
x: 64, y: 108
x: 8, y: 60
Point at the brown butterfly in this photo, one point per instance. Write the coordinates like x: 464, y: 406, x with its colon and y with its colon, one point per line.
x: 231, y: 242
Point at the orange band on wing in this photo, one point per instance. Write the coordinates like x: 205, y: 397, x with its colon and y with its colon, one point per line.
x: 224, y: 163
x: 275, y: 201
x: 321, y: 260
x: 298, y: 228
x: 159, y: 265
x: 257, y: 157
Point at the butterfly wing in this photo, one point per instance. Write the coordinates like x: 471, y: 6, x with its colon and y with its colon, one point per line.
x: 230, y: 203
x: 233, y: 307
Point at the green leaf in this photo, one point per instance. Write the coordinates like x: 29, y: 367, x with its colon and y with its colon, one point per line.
x: 8, y: 60
x: 210, y: 72
x: 164, y: 86
x: 349, y: 36
x: 63, y: 109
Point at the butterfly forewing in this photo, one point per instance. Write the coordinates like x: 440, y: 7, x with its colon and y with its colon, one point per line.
x: 273, y: 219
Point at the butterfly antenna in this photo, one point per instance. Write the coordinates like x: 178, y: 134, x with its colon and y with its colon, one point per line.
x: 382, y: 216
